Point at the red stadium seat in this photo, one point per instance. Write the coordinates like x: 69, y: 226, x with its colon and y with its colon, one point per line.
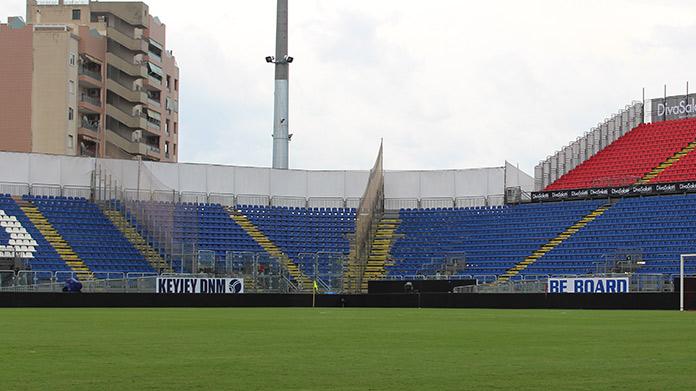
x: 633, y: 155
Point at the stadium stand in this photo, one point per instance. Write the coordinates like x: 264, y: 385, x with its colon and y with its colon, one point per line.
x: 155, y: 259
x: 496, y: 240
x: 636, y: 157
x: 208, y: 226
x: 660, y: 228
x: 682, y: 170
x: 16, y: 226
x: 510, y: 242
x: 493, y: 239
x: 306, y: 230
x: 92, y: 237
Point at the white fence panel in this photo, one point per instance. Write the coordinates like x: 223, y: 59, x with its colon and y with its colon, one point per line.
x: 439, y: 202
x: 400, y: 203
x: 325, y: 202
x: 164, y: 196
x: 39, y: 189
x: 470, y: 202
x: 222, y: 199
x: 15, y: 189
x: 197, y: 198
x: 297, y: 202
x: 352, y: 203
x: 77, y: 191
x: 253, y: 199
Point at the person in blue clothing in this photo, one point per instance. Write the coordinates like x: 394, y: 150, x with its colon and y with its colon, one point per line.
x: 72, y: 285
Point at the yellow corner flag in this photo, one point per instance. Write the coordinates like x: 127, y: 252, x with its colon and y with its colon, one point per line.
x: 316, y: 287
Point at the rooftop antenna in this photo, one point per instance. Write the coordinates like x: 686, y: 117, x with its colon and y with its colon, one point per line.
x: 281, y: 136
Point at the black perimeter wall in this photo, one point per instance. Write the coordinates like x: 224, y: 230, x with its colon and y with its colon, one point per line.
x: 664, y: 301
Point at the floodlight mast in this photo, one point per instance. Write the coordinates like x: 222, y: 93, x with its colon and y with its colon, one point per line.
x: 281, y: 136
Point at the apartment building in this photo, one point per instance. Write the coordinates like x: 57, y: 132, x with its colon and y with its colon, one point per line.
x: 88, y: 78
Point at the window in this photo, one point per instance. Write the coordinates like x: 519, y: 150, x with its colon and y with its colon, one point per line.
x: 166, y: 148
x: 76, y: 14
x: 155, y: 72
x: 70, y: 141
x: 169, y: 82
x: 176, y: 84
x: 175, y: 127
x: 71, y: 60
x: 71, y: 113
x: 71, y: 87
x: 174, y: 150
x: 166, y: 127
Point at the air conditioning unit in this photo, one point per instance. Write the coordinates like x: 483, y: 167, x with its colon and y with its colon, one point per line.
x: 136, y: 136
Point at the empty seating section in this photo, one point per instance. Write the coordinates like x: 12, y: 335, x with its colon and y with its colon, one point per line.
x: 492, y: 239
x: 19, y: 234
x: 682, y: 171
x: 306, y: 230
x: 176, y: 229
x: 661, y: 228
x: 92, y: 236
x: 630, y: 157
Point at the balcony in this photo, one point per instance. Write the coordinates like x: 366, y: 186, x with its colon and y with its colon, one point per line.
x: 134, y: 44
x: 133, y: 69
x: 130, y: 120
x: 138, y: 96
x: 94, y: 101
x: 89, y: 77
x: 131, y: 13
x: 132, y: 147
x: 153, y: 120
x: 90, y: 103
x: 154, y: 103
x: 89, y: 124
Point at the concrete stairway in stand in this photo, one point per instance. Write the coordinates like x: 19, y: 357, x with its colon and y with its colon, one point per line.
x: 304, y: 283
x: 54, y: 238
x: 553, y: 243
x: 381, y: 246
x: 647, y: 178
x: 152, y: 256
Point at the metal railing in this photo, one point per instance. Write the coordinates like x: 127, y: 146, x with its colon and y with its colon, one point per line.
x: 229, y: 199
x: 91, y: 100
x: 90, y: 124
x: 107, y: 282
x: 96, y: 75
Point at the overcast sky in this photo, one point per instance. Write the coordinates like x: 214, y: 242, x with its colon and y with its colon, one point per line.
x: 447, y: 84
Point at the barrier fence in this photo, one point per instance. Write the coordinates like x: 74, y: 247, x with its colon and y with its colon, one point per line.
x: 105, y: 191
x: 264, y: 275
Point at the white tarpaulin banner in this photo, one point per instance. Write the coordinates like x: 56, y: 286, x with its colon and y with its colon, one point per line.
x: 588, y: 285
x: 199, y: 285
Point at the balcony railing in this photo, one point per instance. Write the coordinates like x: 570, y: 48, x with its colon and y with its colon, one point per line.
x: 91, y: 100
x: 91, y: 73
x: 90, y: 124
x: 151, y: 121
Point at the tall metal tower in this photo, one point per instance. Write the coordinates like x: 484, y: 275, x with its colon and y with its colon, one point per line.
x: 281, y: 136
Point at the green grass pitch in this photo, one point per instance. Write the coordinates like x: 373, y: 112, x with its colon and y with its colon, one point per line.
x: 345, y: 349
